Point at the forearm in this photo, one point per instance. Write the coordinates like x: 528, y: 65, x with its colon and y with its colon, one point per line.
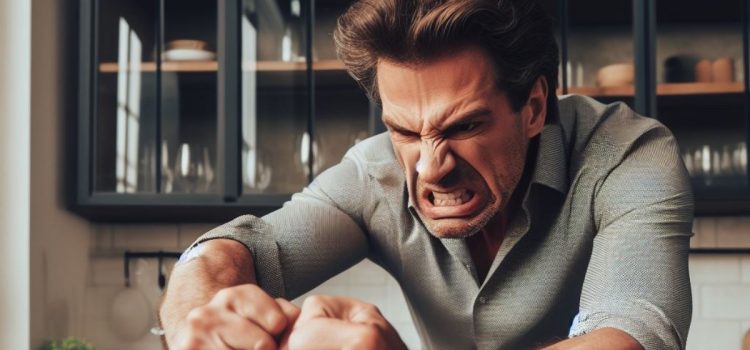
x: 605, y: 338
x: 222, y: 263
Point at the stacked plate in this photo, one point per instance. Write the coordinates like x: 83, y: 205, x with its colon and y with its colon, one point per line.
x: 187, y: 50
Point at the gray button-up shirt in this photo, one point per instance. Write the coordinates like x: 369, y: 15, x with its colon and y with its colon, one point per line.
x: 603, y: 237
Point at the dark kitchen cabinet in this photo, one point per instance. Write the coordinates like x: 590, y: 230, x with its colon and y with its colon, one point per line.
x: 682, y: 62
x: 204, y: 110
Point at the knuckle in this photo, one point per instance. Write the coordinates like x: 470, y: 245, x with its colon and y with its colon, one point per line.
x: 199, y: 318
x: 264, y: 344
x: 226, y: 295
x: 314, y: 300
x: 370, y: 337
x: 371, y: 309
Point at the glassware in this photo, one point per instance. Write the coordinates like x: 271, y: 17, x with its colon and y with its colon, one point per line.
x: 167, y: 174
x: 273, y: 95
x: 189, y: 170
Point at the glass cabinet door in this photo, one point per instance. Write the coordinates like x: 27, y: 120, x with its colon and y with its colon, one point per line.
x: 700, y: 91
x: 275, y: 141
x: 124, y: 123
x: 156, y: 117
x: 600, y: 50
x: 189, y: 84
x: 343, y: 113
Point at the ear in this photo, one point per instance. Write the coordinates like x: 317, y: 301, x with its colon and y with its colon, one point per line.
x: 535, y: 110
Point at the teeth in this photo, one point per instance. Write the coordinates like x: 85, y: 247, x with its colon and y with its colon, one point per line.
x: 451, y: 198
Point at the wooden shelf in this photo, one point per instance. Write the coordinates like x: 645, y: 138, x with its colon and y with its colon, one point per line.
x: 671, y: 89
x: 212, y: 66
x: 173, y: 66
x: 700, y: 88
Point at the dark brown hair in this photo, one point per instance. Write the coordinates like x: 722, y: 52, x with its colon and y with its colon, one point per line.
x: 517, y: 35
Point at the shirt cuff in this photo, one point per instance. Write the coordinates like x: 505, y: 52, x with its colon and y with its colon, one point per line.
x: 649, y: 337
x: 257, y: 236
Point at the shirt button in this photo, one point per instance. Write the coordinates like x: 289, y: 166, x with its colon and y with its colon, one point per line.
x: 482, y: 300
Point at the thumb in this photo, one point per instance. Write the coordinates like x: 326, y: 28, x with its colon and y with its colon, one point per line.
x: 292, y: 314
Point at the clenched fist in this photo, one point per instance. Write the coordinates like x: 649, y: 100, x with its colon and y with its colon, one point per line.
x: 239, y: 317
x: 328, y: 322
x: 245, y: 317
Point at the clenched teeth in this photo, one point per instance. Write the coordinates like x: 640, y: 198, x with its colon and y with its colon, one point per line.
x: 442, y: 199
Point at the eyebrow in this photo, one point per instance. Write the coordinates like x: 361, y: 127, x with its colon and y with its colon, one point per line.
x: 444, y: 122
x: 393, y: 124
x: 471, y: 115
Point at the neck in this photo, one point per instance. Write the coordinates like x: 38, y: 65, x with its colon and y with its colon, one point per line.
x: 485, y: 243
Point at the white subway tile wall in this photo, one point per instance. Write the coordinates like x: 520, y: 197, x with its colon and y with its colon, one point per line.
x: 145, y: 236
x: 725, y: 302
x: 745, y: 269
x: 707, y: 237
x: 733, y: 232
x: 714, y: 335
x: 188, y: 233
x: 720, y: 283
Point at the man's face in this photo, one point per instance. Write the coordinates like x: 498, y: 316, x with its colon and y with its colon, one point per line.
x: 461, y: 145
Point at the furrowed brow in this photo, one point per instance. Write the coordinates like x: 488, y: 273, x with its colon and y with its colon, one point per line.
x: 469, y: 116
x: 393, y: 124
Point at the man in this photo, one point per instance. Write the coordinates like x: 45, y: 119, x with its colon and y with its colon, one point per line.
x: 510, y: 219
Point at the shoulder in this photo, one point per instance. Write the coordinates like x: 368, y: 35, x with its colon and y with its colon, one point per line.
x: 375, y: 157
x: 604, y: 134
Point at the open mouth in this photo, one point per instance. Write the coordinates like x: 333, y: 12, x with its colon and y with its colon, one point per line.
x: 450, y: 199
x: 458, y: 203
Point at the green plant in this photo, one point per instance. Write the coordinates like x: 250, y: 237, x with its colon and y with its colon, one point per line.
x: 69, y: 343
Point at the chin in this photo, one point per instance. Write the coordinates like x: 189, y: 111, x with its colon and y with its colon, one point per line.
x: 459, y: 227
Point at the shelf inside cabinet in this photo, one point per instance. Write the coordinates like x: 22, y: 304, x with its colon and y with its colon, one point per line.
x: 169, y: 66
x: 212, y: 66
x: 671, y: 89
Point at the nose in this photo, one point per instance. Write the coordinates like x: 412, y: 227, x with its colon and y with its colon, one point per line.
x: 435, y: 160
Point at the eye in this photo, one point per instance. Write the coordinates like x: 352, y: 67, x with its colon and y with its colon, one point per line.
x: 463, y: 129
x: 405, y: 133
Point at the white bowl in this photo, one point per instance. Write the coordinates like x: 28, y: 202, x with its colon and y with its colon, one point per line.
x: 188, y: 55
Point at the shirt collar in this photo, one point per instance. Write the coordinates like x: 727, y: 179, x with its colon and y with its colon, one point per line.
x: 551, y: 167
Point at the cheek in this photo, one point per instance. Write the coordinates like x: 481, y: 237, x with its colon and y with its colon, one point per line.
x: 499, y: 161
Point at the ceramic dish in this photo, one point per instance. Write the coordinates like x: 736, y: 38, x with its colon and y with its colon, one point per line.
x: 187, y: 44
x: 188, y: 55
x: 615, y: 75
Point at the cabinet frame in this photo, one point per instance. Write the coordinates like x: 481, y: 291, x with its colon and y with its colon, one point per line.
x: 230, y: 202
x: 183, y: 207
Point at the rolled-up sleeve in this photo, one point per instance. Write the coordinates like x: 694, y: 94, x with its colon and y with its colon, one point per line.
x: 637, y: 279
x: 314, y: 236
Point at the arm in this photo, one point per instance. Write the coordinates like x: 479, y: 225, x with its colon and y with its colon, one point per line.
x: 603, y: 338
x: 195, y: 315
x: 313, y: 237
x: 637, y: 280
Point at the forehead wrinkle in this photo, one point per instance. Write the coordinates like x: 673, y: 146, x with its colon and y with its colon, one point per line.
x: 441, y: 117
x: 399, y: 116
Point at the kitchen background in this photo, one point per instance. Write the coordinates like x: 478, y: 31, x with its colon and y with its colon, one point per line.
x: 69, y: 269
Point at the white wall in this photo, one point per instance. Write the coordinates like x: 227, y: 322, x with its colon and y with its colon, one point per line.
x: 15, y: 32
x: 59, y: 239
x: 721, y: 285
